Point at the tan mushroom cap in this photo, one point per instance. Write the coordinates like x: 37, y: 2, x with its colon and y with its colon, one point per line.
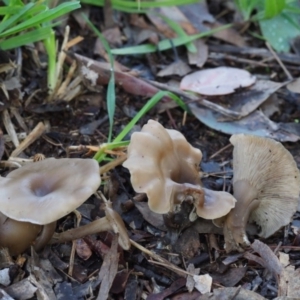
x: 215, y: 204
x: 266, y: 184
x: 166, y: 167
x: 160, y: 161
x: 45, y: 191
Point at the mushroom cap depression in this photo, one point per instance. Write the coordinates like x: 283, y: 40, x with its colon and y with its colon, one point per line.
x: 266, y: 185
x: 165, y: 166
x: 45, y: 191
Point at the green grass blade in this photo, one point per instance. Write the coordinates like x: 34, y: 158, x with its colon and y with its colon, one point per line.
x: 26, y: 38
x: 165, y: 44
x: 100, y: 155
x: 141, y: 6
x: 111, y: 89
x: 180, y: 32
x: 43, y: 17
x: 13, y: 19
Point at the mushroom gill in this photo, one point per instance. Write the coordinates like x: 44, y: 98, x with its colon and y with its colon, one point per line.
x: 266, y: 185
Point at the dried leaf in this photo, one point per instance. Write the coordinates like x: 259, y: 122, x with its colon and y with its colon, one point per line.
x: 21, y: 290
x: 179, y: 68
x: 289, y: 283
x: 217, y: 81
x: 231, y: 277
x: 294, y: 86
x: 151, y: 217
x: 236, y: 293
x: 175, y: 286
x: 270, y: 259
x: 108, y: 270
x: 190, y: 282
x: 256, y: 124
x: 200, y: 57
x: 97, y: 73
x: 203, y: 283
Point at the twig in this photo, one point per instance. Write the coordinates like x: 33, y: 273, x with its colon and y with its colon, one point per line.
x: 32, y: 137
x: 286, y: 71
x: 112, y: 164
x: 220, y: 151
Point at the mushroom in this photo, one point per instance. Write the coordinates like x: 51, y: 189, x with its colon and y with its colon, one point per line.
x: 34, y: 196
x: 165, y: 166
x: 266, y: 185
x: 112, y: 221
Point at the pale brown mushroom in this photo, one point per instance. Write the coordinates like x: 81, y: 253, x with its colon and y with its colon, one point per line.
x: 34, y: 196
x: 111, y: 222
x: 266, y: 185
x: 165, y: 166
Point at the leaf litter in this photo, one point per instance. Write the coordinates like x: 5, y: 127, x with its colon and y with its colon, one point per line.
x: 74, y: 127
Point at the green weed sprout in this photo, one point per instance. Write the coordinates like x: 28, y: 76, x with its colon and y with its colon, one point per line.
x: 118, y: 141
x: 23, y: 24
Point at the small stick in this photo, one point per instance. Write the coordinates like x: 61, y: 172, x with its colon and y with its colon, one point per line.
x: 112, y: 164
x: 72, y: 256
x: 220, y: 151
x: 32, y: 137
x: 10, y: 128
x: 286, y: 71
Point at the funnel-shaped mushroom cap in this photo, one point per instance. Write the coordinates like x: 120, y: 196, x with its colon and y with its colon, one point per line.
x: 266, y: 185
x: 45, y: 191
x: 161, y: 161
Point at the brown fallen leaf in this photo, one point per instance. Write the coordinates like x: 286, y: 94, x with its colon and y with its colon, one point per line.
x: 294, y: 86
x: 289, y: 280
x: 175, y: 286
x: 200, y: 57
x: 120, y: 282
x: 179, y: 68
x: 271, y: 261
x: 236, y: 293
x: 231, y: 277
x: 96, y: 74
x: 200, y: 18
x: 108, y: 270
x: 23, y: 289
x: 228, y: 35
x: 255, y: 123
x: 190, y: 282
x: 151, y: 217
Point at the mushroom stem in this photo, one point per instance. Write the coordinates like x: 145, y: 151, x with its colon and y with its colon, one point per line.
x: 235, y: 224
x: 45, y: 236
x: 96, y: 226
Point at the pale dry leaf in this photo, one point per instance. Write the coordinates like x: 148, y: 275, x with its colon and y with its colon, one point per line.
x: 294, y: 86
x: 108, y: 269
x: 284, y: 259
x: 4, y: 277
x: 217, y: 81
x: 200, y: 57
x: 190, y: 282
x: 203, y: 283
x: 179, y: 68
x: 289, y: 283
x: 23, y: 289
x: 270, y: 259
